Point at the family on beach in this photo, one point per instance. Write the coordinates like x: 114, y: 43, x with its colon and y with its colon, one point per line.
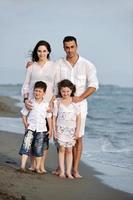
x: 55, y: 106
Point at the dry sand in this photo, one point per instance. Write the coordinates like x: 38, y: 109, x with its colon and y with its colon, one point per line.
x: 30, y: 186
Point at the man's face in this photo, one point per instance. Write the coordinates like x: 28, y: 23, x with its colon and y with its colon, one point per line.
x: 70, y: 48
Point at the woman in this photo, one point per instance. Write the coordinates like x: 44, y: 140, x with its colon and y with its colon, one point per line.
x: 41, y: 69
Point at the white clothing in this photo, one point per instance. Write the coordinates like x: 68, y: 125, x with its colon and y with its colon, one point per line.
x: 66, y: 122
x: 83, y: 75
x: 36, y: 73
x: 37, y: 116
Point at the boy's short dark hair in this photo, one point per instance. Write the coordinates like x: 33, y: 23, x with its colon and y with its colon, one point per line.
x: 69, y: 38
x: 40, y: 84
x: 66, y: 83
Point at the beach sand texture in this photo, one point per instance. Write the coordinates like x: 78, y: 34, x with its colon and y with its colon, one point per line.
x: 32, y: 186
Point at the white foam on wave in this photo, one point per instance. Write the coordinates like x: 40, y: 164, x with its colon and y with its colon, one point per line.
x: 114, y: 176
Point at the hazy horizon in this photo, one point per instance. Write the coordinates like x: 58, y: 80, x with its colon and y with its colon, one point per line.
x: 103, y: 29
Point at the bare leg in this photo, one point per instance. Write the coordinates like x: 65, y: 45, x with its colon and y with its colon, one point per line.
x: 57, y: 171
x: 38, y: 162
x: 24, y: 158
x: 33, y: 163
x: 43, y: 159
x: 77, y: 151
x: 69, y: 158
x: 61, y: 161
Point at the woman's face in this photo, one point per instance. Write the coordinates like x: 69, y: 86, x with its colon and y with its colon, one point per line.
x: 42, y: 53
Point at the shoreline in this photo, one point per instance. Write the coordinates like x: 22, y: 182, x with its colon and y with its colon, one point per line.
x: 14, y: 185
x: 8, y: 107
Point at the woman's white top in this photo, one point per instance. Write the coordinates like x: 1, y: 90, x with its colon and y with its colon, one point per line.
x: 45, y: 73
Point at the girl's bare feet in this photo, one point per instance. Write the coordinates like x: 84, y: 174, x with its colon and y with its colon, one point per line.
x: 44, y: 171
x: 76, y: 175
x: 38, y: 171
x: 69, y: 176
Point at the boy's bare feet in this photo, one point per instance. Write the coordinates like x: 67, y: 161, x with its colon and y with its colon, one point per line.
x: 56, y: 172
x: 21, y: 170
x: 62, y: 176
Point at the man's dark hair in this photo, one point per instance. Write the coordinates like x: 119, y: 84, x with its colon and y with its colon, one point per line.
x: 69, y: 38
x: 40, y: 84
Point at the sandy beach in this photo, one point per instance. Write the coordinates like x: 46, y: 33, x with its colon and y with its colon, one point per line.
x: 30, y: 186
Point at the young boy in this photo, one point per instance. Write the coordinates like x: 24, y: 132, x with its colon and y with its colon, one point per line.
x: 36, y: 138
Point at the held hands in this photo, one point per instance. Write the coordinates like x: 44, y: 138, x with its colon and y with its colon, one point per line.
x: 55, y: 135
x: 50, y: 134
x: 28, y: 104
x: 26, y: 126
x: 77, y: 99
x: 76, y: 135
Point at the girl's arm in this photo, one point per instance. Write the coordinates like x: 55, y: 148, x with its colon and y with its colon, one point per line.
x: 54, y: 127
x: 78, y: 124
x: 51, y: 104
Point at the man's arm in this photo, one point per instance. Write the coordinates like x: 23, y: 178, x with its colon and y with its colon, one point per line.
x: 88, y: 92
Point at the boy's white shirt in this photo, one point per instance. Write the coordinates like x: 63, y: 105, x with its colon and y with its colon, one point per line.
x: 36, y: 117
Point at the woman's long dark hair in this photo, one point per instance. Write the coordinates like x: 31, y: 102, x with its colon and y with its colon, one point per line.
x: 34, y: 52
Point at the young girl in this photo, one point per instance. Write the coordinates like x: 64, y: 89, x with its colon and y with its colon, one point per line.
x: 66, y: 125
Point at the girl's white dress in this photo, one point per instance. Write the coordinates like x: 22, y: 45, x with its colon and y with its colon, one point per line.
x: 66, y: 122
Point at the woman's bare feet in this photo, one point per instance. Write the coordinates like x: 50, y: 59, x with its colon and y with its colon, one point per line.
x: 31, y: 169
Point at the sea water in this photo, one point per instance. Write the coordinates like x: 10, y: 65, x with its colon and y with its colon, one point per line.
x: 108, y: 140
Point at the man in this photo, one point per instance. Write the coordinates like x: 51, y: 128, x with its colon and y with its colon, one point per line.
x: 83, y: 74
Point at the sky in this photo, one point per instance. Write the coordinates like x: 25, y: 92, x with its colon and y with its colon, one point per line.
x: 103, y: 29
